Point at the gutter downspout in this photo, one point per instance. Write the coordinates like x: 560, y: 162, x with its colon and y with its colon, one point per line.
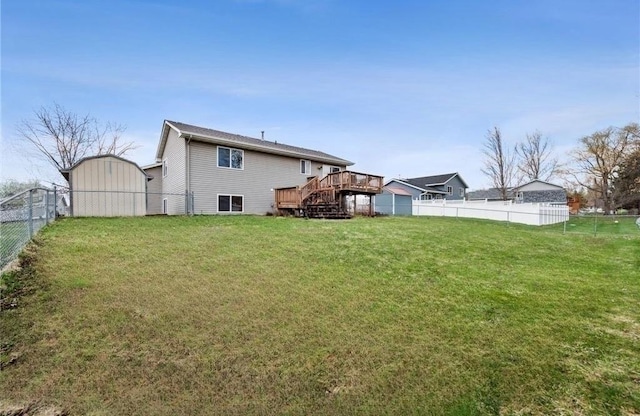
x: 188, y: 175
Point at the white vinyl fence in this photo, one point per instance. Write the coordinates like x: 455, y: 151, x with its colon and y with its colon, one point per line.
x: 527, y: 213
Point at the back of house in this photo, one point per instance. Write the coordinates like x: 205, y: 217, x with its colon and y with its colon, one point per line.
x: 206, y: 171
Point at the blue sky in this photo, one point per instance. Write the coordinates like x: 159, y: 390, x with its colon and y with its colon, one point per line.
x: 402, y: 88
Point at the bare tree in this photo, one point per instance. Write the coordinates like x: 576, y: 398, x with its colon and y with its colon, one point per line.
x: 499, y: 163
x: 599, y: 157
x: 535, y: 158
x: 62, y: 137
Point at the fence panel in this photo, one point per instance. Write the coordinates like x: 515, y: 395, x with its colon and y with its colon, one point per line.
x: 600, y: 224
x: 21, y: 217
x: 528, y: 213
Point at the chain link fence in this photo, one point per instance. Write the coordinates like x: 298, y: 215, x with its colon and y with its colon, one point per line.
x: 104, y: 203
x: 600, y: 224
x: 21, y: 216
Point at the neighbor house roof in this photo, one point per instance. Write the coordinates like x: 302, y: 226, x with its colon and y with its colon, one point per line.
x: 65, y: 172
x: 397, y: 190
x: 419, y: 188
x: 220, y: 137
x: 426, y: 181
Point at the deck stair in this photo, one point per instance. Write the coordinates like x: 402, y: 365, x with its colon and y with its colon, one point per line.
x: 326, y: 197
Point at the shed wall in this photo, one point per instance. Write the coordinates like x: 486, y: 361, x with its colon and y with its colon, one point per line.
x: 392, y: 204
x: 108, y: 187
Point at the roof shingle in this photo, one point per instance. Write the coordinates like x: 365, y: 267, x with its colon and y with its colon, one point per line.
x: 264, y: 145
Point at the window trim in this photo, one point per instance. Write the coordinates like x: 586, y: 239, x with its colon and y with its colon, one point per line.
x: 165, y: 168
x: 307, y: 163
x: 165, y: 206
x: 231, y: 149
x: 449, y: 190
x: 461, y: 193
x: 231, y: 211
x: 334, y: 169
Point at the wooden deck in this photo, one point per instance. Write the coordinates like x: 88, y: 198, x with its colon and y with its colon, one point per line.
x: 328, y: 191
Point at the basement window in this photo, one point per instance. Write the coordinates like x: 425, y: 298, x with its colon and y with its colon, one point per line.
x: 230, y: 203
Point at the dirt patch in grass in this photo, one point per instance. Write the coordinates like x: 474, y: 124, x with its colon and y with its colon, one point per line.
x: 30, y: 409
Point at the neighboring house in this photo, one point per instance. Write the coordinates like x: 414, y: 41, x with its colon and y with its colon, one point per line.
x: 447, y: 186
x: 540, y: 191
x: 491, y: 194
x: 393, y: 200
x: 227, y: 173
x: 154, y: 188
x: 106, y: 186
x: 534, y: 191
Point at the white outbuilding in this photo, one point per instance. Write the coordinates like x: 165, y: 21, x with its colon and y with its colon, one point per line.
x: 106, y: 186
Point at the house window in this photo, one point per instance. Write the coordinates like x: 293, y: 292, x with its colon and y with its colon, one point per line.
x: 426, y: 197
x: 230, y: 203
x: 165, y: 169
x: 450, y: 190
x: 165, y: 206
x: 230, y: 158
x: 438, y: 196
x: 461, y: 192
x: 334, y: 169
x: 305, y: 167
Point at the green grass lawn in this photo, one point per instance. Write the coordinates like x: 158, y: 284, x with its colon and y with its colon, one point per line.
x: 265, y: 315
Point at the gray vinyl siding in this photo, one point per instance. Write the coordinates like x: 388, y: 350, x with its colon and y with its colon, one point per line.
x: 174, y: 184
x: 456, y: 184
x: 261, y: 174
x: 154, y: 190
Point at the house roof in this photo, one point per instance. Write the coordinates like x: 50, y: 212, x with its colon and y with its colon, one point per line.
x: 220, y: 137
x: 397, y: 190
x: 151, y: 165
x: 65, y: 172
x: 425, y: 182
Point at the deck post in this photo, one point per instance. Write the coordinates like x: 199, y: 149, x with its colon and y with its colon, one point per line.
x: 355, y: 205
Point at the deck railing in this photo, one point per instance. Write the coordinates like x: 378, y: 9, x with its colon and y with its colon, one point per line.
x: 309, y: 188
x: 355, y: 181
x: 344, y: 181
